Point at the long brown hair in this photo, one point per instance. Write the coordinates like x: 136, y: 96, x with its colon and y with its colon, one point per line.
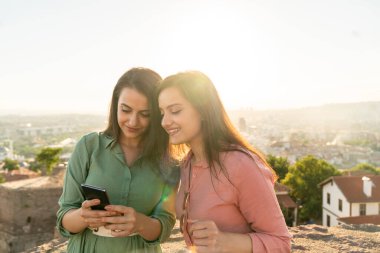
x: 218, y: 132
x: 145, y: 81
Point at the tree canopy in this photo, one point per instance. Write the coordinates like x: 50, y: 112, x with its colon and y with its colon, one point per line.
x: 48, y: 158
x: 280, y: 165
x: 303, y: 179
x: 10, y: 164
x: 364, y: 167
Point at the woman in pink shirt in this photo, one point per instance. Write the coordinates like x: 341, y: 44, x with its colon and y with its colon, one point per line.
x: 226, y: 201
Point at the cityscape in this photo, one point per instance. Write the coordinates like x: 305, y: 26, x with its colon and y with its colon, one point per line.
x: 343, y: 136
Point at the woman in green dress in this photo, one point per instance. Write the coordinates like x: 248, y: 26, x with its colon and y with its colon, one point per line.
x: 130, y: 160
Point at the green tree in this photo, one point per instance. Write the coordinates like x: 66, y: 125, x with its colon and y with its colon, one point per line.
x: 10, y: 164
x: 364, y: 167
x: 35, y: 166
x: 303, y: 179
x: 48, y: 158
x: 280, y: 165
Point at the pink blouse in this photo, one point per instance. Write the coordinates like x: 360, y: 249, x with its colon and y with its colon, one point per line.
x: 250, y: 207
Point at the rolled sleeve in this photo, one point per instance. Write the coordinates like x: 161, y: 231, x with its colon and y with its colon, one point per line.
x: 59, y: 226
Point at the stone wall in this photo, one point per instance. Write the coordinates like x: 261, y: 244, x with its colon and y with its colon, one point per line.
x: 28, y: 213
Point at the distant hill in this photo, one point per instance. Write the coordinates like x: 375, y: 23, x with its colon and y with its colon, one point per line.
x: 349, y: 115
x: 53, y: 119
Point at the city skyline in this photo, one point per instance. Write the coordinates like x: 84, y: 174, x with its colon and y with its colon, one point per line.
x: 66, y: 57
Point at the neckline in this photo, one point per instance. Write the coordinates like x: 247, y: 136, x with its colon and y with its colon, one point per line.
x: 198, y: 164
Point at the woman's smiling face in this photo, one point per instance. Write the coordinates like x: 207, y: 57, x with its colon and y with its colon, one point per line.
x: 179, y: 118
x: 132, y: 114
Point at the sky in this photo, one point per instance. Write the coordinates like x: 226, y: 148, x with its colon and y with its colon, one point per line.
x: 66, y: 56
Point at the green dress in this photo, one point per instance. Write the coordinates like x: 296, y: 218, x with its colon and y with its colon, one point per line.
x: 97, y: 162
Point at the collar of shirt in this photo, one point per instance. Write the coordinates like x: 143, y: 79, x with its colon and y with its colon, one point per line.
x: 116, y: 149
x: 186, y: 163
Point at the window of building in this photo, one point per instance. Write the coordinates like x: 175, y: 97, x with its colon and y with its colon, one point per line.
x: 340, y: 205
x: 328, y: 198
x: 328, y: 220
x: 362, y: 209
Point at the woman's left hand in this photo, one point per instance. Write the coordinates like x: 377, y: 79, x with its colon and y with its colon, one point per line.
x: 123, y: 225
x: 206, y: 236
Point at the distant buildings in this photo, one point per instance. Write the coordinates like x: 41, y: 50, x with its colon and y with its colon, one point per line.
x: 4, y: 153
x: 340, y: 156
x: 351, y: 199
x: 6, y: 150
x: 36, y: 131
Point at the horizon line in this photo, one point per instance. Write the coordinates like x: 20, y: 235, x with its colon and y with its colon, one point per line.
x: 99, y: 113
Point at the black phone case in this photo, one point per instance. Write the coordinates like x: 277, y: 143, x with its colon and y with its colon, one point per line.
x: 93, y: 192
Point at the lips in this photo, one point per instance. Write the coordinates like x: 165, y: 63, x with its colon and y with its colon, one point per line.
x: 172, y: 131
x: 131, y: 129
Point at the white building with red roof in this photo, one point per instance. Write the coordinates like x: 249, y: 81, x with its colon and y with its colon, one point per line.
x: 351, y: 200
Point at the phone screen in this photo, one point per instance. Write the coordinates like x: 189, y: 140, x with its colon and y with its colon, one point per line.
x: 94, y: 192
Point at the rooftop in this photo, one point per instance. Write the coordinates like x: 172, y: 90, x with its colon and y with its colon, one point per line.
x: 368, y: 219
x: 352, y: 188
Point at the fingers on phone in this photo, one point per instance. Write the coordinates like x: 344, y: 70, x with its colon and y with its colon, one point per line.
x: 120, y: 209
x: 89, y: 203
x: 94, y: 202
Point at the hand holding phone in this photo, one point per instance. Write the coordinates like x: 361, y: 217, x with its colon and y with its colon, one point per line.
x: 94, y: 192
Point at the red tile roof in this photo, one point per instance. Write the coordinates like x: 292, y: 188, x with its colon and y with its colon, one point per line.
x: 280, y: 187
x: 368, y: 219
x: 286, y: 201
x: 352, y: 188
x: 19, y: 174
x: 282, y: 194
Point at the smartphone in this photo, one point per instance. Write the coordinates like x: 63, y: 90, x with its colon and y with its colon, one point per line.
x: 94, y: 192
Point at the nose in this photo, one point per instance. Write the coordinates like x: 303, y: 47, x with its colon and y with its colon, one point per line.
x: 133, y: 120
x: 165, y: 121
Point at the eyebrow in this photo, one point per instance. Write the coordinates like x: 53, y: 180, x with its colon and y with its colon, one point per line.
x: 172, y: 105
x: 122, y: 104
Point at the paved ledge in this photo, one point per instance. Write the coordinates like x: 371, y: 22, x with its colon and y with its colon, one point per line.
x: 309, y: 238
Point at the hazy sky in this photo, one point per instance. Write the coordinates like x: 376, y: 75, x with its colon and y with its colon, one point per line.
x: 66, y: 56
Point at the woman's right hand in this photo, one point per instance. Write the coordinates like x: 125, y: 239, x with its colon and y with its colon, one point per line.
x: 93, y: 217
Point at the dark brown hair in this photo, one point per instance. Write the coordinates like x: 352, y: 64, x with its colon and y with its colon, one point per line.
x: 145, y: 81
x: 218, y: 132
